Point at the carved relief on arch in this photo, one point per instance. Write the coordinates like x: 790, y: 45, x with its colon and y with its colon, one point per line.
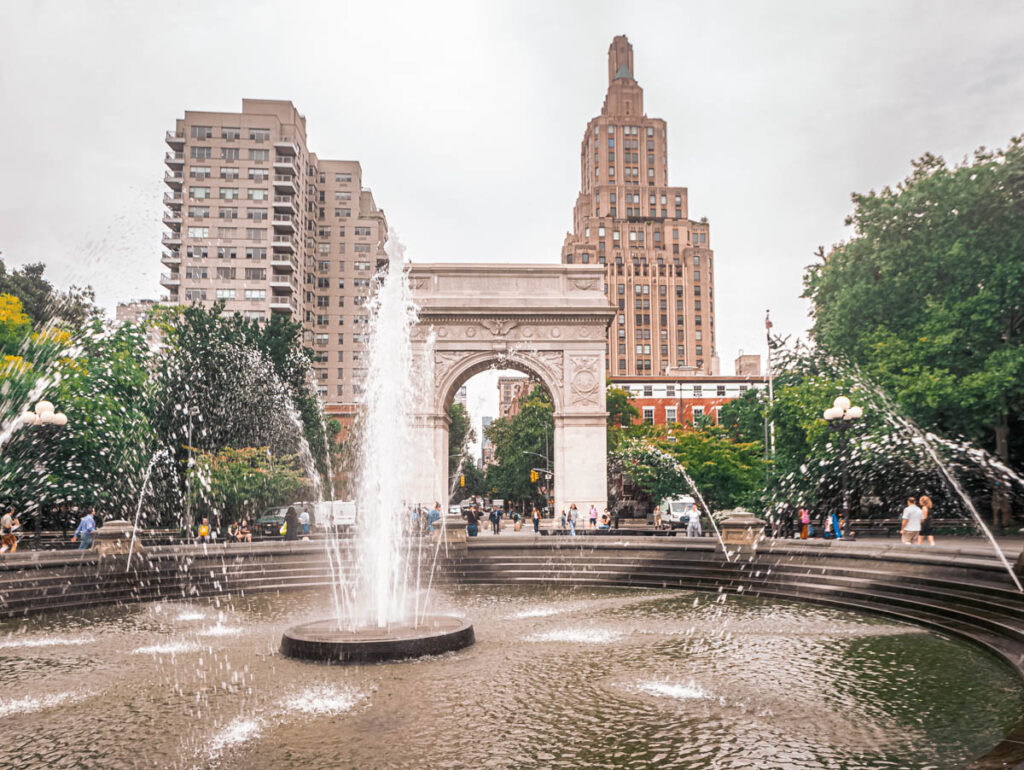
x: 585, y: 380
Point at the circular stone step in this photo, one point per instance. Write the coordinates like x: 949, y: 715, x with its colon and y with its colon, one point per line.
x: 323, y: 641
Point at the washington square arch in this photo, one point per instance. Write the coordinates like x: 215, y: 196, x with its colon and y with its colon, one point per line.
x: 549, y: 321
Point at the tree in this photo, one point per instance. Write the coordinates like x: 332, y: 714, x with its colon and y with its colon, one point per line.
x: 928, y: 296
x: 235, y: 483
x: 621, y: 410
x: 460, y: 436
x: 42, y: 303
x: 521, y: 442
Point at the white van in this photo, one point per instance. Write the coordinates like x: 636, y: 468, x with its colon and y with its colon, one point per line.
x: 675, y: 511
x: 339, y: 513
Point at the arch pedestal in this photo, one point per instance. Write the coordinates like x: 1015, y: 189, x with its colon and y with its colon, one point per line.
x: 549, y: 321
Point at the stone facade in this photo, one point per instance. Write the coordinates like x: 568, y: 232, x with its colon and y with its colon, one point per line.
x: 548, y: 321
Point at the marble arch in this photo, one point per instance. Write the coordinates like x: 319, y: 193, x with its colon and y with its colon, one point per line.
x: 549, y: 321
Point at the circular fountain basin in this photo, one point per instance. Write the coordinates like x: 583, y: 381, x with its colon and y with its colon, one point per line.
x: 323, y: 641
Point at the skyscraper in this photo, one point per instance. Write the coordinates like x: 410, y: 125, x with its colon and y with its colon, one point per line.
x: 660, y: 267
x: 258, y: 221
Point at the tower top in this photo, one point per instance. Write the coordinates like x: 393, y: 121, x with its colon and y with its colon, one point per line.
x: 625, y: 97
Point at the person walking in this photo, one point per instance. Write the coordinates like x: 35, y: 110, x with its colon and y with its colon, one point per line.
x: 472, y: 522
x: 657, y: 517
x: 926, y: 506
x: 572, y: 519
x: 593, y: 516
x: 805, y: 523
x: 693, y: 522
x: 291, y: 524
x: 495, y: 521
x: 8, y: 525
x: 304, y: 523
x: 535, y: 515
x: 910, y: 526
x: 85, y: 529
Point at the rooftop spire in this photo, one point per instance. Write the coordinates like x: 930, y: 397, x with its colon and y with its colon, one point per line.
x: 625, y: 97
x: 620, y: 59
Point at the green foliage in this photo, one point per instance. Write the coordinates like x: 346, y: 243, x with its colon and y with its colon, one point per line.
x: 928, y: 296
x: 621, y: 410
x: 236, y: 483
x: 521, y: 443
x: 460, y: 435
x: 41, y: 302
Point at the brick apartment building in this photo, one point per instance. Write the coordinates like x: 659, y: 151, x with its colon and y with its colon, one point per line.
x: 258, y: 221
x: 660, y: 267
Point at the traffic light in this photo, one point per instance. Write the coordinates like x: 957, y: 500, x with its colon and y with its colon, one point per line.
x: 462, y: 480
x: 534, y: 476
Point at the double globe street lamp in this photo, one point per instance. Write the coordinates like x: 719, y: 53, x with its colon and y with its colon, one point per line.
x: 42, y: 414
x: 841, y: 416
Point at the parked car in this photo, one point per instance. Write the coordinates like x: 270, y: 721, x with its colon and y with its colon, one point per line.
x: 340, y: 513
x: 269, y: 522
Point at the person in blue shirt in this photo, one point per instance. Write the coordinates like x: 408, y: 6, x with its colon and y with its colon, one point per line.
x: 85, y: 529
x: 433, y: 516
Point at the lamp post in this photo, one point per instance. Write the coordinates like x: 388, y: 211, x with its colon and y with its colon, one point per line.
x: 42, y: 414
x: 840, y: 417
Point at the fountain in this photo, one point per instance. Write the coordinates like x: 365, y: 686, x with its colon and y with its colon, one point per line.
x: 376, y: 622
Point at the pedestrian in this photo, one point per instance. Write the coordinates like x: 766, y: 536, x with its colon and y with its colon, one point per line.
x: 204, y: 531
x: 564, y: 519
x: 495, y: 518
x: 593, y: 516
x: 472, y: 522
x: 657, y: 517
x: 517, y: 522
x: 805, y: 523
x: 244, y: 532
x: 291, y: 524
x: 606, y: 522
x: 433, y: 516
x: 693, y: 522
x: 910, y: 524
x: 85, y: 529
x: 8, y: 527
x: 926, y: 506
x: 572, y: 519
x: 304, y: 523
x: 535, y: 515
x: 615, y: 518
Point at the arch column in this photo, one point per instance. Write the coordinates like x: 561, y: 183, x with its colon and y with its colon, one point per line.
x: 581, y: 466
x: 429, y: 474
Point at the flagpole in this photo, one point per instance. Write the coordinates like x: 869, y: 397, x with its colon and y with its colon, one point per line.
x: 770, y: 429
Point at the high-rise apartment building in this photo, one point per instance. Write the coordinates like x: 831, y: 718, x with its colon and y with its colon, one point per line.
x: 660, y: 267
x: 260, y: 222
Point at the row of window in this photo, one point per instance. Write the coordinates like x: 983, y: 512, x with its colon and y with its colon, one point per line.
x: 229, y: 154
x: 256, y: 253
x: 229, y: 173
x: 251, y: 233
x: 229, y: 193
x: 229, y: 133
x: 197, y: 272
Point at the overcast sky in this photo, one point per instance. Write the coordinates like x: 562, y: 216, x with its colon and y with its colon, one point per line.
x: 467, y: 119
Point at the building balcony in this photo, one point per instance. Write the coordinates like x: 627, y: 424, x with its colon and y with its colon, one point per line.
x: 175, y: 159
x: 285, y: 203
x: 172, y: 199
x: 175, y: 140
x: 284, y: 222
x: 285, y: 166
x: 171, y: 239
x: 170, y: 258
x: 283, y: 303
x: 283, y: 243
x: 285, y: 184
x: 286, y: 147
x: 283, y: 283
x: 283, y: 262
x: 170, y: 279
x: 173, y: 220
x: 174, y: 179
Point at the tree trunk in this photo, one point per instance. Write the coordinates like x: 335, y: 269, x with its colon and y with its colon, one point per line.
x: 1002, y: 514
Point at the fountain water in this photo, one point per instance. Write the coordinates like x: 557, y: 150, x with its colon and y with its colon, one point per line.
x: 377, y: 621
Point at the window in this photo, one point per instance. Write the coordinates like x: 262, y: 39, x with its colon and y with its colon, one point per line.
x: 721, y: 390
x: 199, y: 232
x: 362, y: 265
x: 202, y: 132
x: 670, y: 390
x: 229, y: 153
x: 698, y: 391
x: 225, y: 293
x: 255, y: 273
x: 199, y: 193
x: 255, y: 253
x: 648, y: 389
x: 228, y: 193
x: 196, y: 273
x: 226, y: 273
x: 199, y: 172
x: 257, y: 214
x: 343, y: 212
x: 227, y: 232
x: 200, y: 153
x: 225, y: 252
x: 195, y: 295
x: 228, y: 172
x: 230, y: 133
x: 323, y: 301
x: 258, y: 156
x: 342, y: 195
x: 362, y: 231
x: 670, y: 414
x: 257, y: 194
x: 255, y: 234
x: 649, y: 415
x: 259, y: 174
x: 342, y: 178
x: 199, y: 212
x: 197, y: 252
x: 698, y: 412
x: 254, y: 315
x: 255, y: 293
x: 225, y: 212
x: 259, y: 134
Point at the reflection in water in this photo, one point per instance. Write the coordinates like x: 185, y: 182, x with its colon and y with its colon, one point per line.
x: 620, y: 679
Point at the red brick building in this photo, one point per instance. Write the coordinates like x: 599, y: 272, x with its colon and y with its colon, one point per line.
x: 665, y: 400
